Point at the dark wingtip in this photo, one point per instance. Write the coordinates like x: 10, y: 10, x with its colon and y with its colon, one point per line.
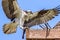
x: 57, y: 8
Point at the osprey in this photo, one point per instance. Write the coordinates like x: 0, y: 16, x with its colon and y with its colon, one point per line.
x: 13, y: 12
x: 25, y: 19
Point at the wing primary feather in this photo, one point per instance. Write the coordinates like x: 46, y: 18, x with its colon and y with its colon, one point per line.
x: 43, y: 16
x: 8, y: 8
x: 57, y: 8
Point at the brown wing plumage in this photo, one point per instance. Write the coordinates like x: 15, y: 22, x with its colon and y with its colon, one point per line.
x: 8, y: 8
x: 42, y: 16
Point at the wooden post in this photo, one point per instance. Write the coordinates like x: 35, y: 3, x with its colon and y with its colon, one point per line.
x: 41, y: 34
x: 54, y: 34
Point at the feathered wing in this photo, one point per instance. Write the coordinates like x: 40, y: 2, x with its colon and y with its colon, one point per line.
x: 42, y: 16
x: 10, y: 8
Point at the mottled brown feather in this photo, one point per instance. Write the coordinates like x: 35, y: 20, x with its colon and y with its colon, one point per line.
x: 8, y: 8
x: 43, y: 16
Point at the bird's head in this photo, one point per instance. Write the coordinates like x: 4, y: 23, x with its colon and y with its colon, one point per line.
x: 28, y: 12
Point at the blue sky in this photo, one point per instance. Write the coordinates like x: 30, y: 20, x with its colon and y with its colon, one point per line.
x: 33, y: 5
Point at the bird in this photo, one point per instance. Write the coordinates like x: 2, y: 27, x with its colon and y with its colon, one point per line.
x: 26, y: 18
x: 42, y: 17
x: 13, y: 12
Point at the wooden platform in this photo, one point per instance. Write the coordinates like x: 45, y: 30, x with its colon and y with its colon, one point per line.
x: 41, y: 34
x: 53, y: 34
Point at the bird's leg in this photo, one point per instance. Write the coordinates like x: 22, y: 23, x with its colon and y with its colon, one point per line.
x: 23, y: 33
x: 24, y: 30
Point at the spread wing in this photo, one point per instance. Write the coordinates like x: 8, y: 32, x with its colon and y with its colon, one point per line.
x: 9, y: 7
x: 42, y: 16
